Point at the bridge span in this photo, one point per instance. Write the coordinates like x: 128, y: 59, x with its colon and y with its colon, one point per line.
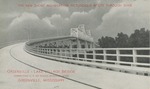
x: 79, y: 48
x: 88, y: 67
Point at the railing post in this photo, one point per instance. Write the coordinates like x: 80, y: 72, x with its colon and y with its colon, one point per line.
x: 118, y: 56
x: 56, y: 51
x: 94, y: 55
x: 134, y: 57
x: 44, y: 50
x: 48, y: 51
x: 104, y: 53
x: 65, y: 50
x: 70, y: 52
x: 85, y: 55
x: 41, y: 50
x: 37, y: 49
x: 78, y: 43
x: 60, y: 52
x: 52, y: 51
x: 77, y: 54
x: 86, y: 44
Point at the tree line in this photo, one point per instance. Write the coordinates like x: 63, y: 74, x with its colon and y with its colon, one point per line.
x: 140, y: 38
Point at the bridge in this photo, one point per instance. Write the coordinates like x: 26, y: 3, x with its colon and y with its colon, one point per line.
x: 79, y: 48
x: 97, y: 68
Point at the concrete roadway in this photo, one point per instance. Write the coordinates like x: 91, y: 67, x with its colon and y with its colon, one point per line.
x: 16, y: 64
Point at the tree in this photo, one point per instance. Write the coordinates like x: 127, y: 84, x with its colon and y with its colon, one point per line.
x: 107, y: 42
x: 121, y: 40
x: 140, y: 38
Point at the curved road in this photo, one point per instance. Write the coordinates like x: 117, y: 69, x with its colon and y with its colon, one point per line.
x: 12, y: 71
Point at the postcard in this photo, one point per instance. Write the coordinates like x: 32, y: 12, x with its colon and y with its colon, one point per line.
x: 74, y: 44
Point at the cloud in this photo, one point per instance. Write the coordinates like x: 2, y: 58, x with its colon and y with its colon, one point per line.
x: 63, y: 25
x: 25, y: 16
x: 92, y: 17
x: 52, y: 19
x: 29, y: 23
x: 46, y: 20
x: 125, y: 19
x: 86, y: 18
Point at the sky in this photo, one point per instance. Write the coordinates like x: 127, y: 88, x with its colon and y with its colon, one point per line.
x: 51, y: 18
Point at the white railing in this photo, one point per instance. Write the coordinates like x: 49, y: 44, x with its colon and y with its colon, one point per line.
x: 129, y: 58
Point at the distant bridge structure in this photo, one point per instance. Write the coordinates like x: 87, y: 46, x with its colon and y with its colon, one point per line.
x: 79, y: 48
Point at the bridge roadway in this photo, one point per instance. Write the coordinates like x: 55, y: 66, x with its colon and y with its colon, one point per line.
x: 82, y: 76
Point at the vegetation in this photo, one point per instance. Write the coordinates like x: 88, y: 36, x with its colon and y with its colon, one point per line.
x: 140, y: 38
